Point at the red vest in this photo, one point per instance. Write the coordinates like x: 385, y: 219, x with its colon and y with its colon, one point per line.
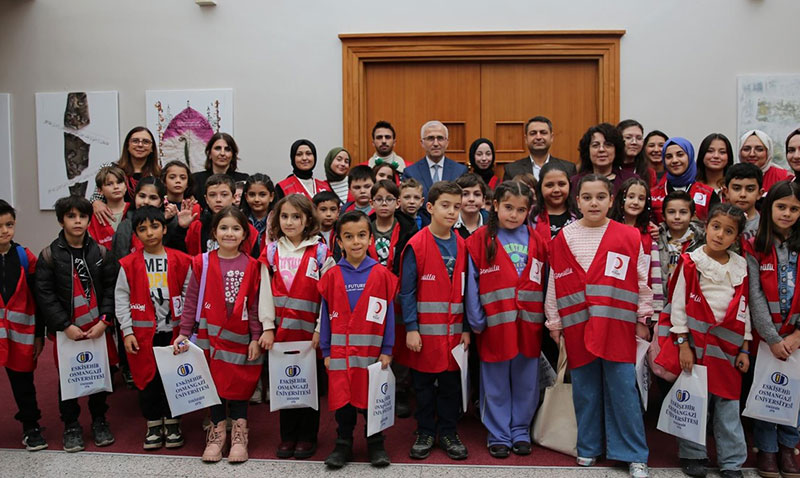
x: 226, y: 338
x: 715, y: 345
x: 700, y: 193
x: 194, y: 239
x: 296, y: 310
x: 357, y: 335
x: 440, y: 304
x: 143, y: 363
x: 103, y: 235
x: 773, y: 175
x: 514, y: 305
x: 768, y: 273
x: 373, y: 252
x: 542, y: 227
x: 598, y: 307
x: 18, y: 323
x: 292, y: 185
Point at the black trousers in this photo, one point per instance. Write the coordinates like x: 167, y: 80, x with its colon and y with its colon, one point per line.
x: 299, y: 424
x: 70, y: 410
x: 236, y: 409
x: 346, y: 418
x: 438, y: 402
x: 153, y: 400
x: 25, y: 395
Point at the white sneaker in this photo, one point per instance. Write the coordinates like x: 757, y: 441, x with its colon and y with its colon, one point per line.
x: 582, y: 461
x: 639, y: 470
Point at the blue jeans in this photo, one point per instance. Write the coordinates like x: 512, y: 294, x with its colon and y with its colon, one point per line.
x: 728, y: 434
x: 606, y: 397
x: 767, y: 436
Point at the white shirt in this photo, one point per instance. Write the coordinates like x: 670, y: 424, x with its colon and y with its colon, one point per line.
x: 536, y: 167
x: 431, y: 165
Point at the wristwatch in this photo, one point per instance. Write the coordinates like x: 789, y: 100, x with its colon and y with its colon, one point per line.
x: 680, y: 340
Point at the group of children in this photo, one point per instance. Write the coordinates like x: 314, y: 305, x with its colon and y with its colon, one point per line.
x: 402, y: 279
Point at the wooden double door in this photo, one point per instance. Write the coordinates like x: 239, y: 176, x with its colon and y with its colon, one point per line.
x: 490, y: 99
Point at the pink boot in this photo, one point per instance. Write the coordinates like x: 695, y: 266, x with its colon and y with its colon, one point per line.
x: 238, y: 453
x: 215, y: 442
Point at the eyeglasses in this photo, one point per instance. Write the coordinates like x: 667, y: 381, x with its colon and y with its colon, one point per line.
x: 757, y: 149
x: 431, y: 139
x: 386, y: 200
x: 633, y: 139
x: 143, y: 142
x: 597, y: 144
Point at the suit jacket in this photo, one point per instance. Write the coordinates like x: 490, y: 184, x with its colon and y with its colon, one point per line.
x: 451, y: 171
x: 524, y: 165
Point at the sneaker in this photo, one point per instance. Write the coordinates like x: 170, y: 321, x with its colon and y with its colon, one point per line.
x: 694, y: 467
x: 341, y: 454
x: 639, y: 470
x: 154, y: 439
x: 731, y: 473
x: 102, y: 433
x: 422, y: 447
x: 499, y: 451
x: 583, y: 461
x: 33, y: 439
x: 521, y: 448
x: 173, y: 436
x: 454, y: 448
x: 73, y: 438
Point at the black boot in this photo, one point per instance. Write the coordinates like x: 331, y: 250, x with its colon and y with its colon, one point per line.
x: 377, y: 453
x: 341, y: 454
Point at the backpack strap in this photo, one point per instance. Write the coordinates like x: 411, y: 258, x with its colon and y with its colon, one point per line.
x: 23, y: 258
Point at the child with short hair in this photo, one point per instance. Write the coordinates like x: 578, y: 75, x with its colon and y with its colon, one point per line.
x: 678, y: 231
x: 110, y: 181
x: 326, y: 211
x: 391, y: 231
x: 410, y: 200
x: 357, y: 296
x: 23, y: 337
x: 75, y: 294
x: 710, y: 318
x: 598, y: 295
x: 742, y: 188
x: 472, y: 215
x: 432, y: 301
x: 360, y: 181
x: 148, y: 301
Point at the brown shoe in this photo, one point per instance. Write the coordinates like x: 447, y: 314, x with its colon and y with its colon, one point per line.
x: 238, y: 452
x: 786, y: 462
x: 767, y: 464
x: 305, y: 449
x: 286, y: 449
x: 215, y: 442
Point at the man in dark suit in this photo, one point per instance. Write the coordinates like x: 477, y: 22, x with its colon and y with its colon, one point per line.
x: 539, y: 138
x: 435, y: 166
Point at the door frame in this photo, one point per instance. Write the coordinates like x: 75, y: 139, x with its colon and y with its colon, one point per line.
x: 359, y: 49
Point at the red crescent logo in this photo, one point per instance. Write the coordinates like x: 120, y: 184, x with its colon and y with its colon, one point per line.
x: 380, y: 308
x: 537, y: 268
x: 618, y: 263
x: 743, y: 307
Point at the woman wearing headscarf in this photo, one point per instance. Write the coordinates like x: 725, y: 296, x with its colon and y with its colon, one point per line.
x: 303, y: 155
x: 337, y: 164
x: 756, y: 147
x: 678, y: 158
x: 481, y: 161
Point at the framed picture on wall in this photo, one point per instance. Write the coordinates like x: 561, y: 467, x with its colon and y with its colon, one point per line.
x: 6, y: 167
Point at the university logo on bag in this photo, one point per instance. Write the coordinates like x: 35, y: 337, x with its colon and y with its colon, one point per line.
x: 185, y: 369
x: 682, y: 395
x: 292, y: 370
x: 84, y: 357
x: 384, y: 388
x: 779, y: 379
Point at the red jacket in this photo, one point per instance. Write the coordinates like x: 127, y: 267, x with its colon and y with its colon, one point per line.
x: 143, y: 363
x: 773, y: 175
x: 598, y: 307
x: 292, y: 185
x: 715, y: 345
x: 103, y: 235
x: 357, y: 335
x: 18, y: 322
x: 514, y: 305
x: 700, y: 193
x: 226, y: 338
x: 768, y: 273
x: 440, y: 304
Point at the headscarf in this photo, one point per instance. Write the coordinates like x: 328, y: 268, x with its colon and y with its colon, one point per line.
x: 688, y: 176
x: 329, y: 174
x: 485, y: 174
x: 764, y: 138
x: 293, y: 151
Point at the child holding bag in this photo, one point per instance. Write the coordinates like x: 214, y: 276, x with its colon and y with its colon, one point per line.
x: 504, y: 306
x: 597, y: 292
x: 224, y: 288
x: 775, y: 308
x: 710, y: 323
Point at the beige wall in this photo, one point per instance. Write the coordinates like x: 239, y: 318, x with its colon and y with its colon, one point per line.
x: 283, y: 59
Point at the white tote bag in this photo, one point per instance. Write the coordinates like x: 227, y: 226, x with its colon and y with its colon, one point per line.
x: 642, y: 370
x: 186, y: 378
x: 555, y: 425
x: 685, y: 409
x: 293, y: 376
x: 82, y: 366
x: 461, y: 356
x: 380, y: 399
x: 775, y: 394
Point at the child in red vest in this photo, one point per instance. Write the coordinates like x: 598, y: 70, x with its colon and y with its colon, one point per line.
x: 709, y: 321
x: 223, y: 294
x: 22, y: 336
x: 554, y: 207
x: 110, y: 180
x: 75, y: 294
x: 775, y: 306
x: 504, y: 303
x: 257, y: 197
x: 432, y: 301
x: 598, y: 295
x: 150, y: 191
x: 289, y: 304
x: 356, y: 330
x: 149, y: 302
x: 326, y: 210
x: 391, y: 231
x: 472, y: 214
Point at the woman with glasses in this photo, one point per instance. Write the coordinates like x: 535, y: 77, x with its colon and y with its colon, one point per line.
x: 602, y: 152
x: 756, y: 147
x: 635, y: 160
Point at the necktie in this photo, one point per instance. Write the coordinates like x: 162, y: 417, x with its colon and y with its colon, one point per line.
x: 436, y: 177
